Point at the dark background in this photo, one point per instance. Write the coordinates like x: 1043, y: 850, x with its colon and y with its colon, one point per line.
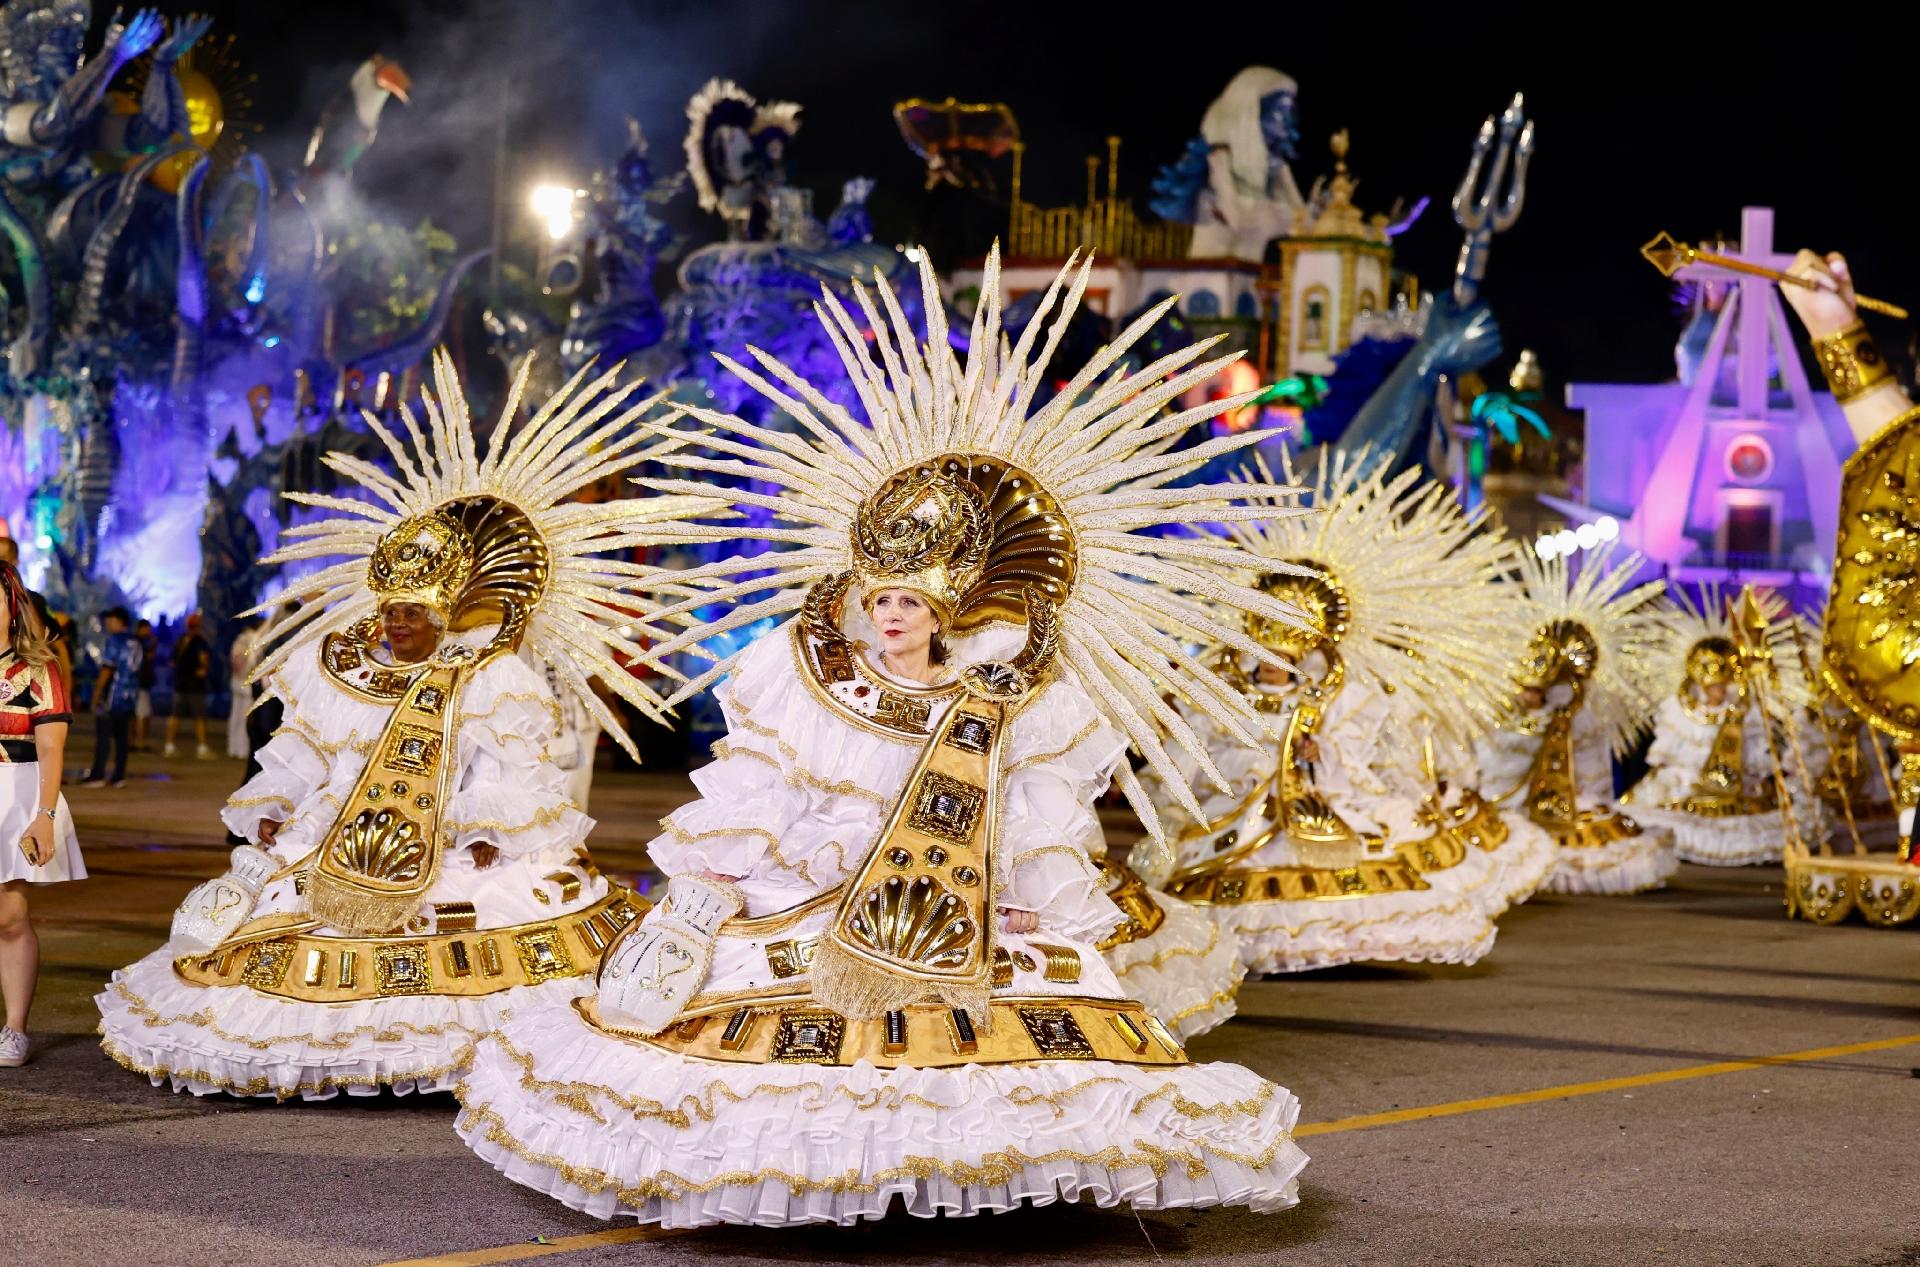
x: 1647, y: 119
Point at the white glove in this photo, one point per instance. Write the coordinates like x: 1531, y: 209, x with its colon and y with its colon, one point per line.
x: 649, y: 977
x: 1151, y: 863
x: 215, y: 909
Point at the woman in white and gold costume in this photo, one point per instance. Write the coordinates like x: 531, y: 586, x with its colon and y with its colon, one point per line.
x: 1587, y: 688
x: 1360, y: 836
x: 875, y: 973
x: 414, y: 867
x: 1722, y: 774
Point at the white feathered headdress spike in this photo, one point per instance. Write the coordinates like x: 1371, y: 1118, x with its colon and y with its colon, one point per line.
x: 586, y: 608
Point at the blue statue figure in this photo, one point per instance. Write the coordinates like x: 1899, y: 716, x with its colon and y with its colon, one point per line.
x: 851, y: 222
x: 1398, y: 427
x: 1233, y: 184
x: 163, y: 102
x: 626, y: 241
x: 759, y: 287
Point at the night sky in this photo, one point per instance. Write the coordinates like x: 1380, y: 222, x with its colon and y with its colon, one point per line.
x: 1641, y: 127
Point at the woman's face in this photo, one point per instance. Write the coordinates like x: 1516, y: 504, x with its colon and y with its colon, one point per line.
x: 409, y: 631
x: 906, y: 622
x: 1273, y: 675
x: 1715, y: 694
x: 1532, y: 697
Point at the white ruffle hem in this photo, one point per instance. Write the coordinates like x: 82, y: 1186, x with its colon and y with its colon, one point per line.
x: 239, y: 1041
x: 1634, y: 865
x: 1740, y: 840
x: 1186, y: 972
x: 616, y: 1128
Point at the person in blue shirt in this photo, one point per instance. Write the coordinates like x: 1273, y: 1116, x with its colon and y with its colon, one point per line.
x: 115, y: 693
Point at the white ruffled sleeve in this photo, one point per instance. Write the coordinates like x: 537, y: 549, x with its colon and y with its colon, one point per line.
x: 748, y: 805
x: 1504, y: 757
x: 1060, y: 756
x: 293, y: 765
x: 510, y: 793
x: 1680, y: 747
x: 1592, y: 758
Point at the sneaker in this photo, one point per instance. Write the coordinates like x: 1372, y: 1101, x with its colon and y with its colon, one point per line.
x: 204, y: 753
x: 13, y: 1048
x: 118, y: 783
x: 94, y: 783
x: 171, y: 751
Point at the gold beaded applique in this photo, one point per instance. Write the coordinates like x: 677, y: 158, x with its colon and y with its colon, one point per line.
x: 454, y: 961
x: 1024, y: 1029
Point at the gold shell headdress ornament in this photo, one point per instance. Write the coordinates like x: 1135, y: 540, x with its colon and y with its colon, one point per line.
x: 1399, y: 584
x: 476, y: 561
x: 1744, y: 640
x: 1598, y: 632
x: 1714, y: 661
x: 1560, y: 651
x: 1320, y: 599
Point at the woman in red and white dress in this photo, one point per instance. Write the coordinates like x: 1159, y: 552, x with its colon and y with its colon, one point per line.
x: 39, y: 846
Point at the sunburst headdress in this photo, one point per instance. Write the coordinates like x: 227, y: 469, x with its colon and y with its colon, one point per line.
x: 492, y: 540
x: 1744, y: 640
x: 1401, y: 585
x: 1001, y: 511
x: 1596, y: 631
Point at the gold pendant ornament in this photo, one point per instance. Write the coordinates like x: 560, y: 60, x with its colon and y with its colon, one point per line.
x: 383, y: 851
x: 914, y: 924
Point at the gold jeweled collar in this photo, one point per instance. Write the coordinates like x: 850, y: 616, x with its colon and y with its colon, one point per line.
x: 854, y: 690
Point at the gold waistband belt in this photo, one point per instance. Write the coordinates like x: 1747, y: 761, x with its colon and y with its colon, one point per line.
x: 1402, y: 872
x: 795, y: 1029
x: 313, y: 969
x: 1594, y: 828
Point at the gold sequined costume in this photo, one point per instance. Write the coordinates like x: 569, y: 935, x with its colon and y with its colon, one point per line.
x: 1725, y: 772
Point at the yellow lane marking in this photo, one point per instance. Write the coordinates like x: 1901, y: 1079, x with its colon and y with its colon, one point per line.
x: 528, y: 1249
x: 1573, y: 1089
x: 1568, y: 1091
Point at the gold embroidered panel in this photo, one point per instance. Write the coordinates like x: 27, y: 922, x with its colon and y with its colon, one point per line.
x: 794, y: 1028
x: 456, y: 961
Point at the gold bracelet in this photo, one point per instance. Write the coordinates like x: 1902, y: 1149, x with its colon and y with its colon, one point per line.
x: 1851, y: 362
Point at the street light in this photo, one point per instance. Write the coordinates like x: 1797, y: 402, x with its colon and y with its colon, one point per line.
x: 554, y: 204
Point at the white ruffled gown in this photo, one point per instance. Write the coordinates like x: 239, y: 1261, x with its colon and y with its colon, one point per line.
x: 485, y: 940
x: 797, y: 794
x: 1373, y: 780
x: 1170, y: 956
x: 1682, y: 742
x: 1640, y: 859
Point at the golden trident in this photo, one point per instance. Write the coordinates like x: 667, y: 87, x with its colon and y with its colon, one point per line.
x: 1670, y: 256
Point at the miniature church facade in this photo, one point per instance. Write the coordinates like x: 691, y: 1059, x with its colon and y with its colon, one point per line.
x: 1731, y: 473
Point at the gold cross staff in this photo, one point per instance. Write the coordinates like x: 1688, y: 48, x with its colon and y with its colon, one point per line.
x: 1670, y: 256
